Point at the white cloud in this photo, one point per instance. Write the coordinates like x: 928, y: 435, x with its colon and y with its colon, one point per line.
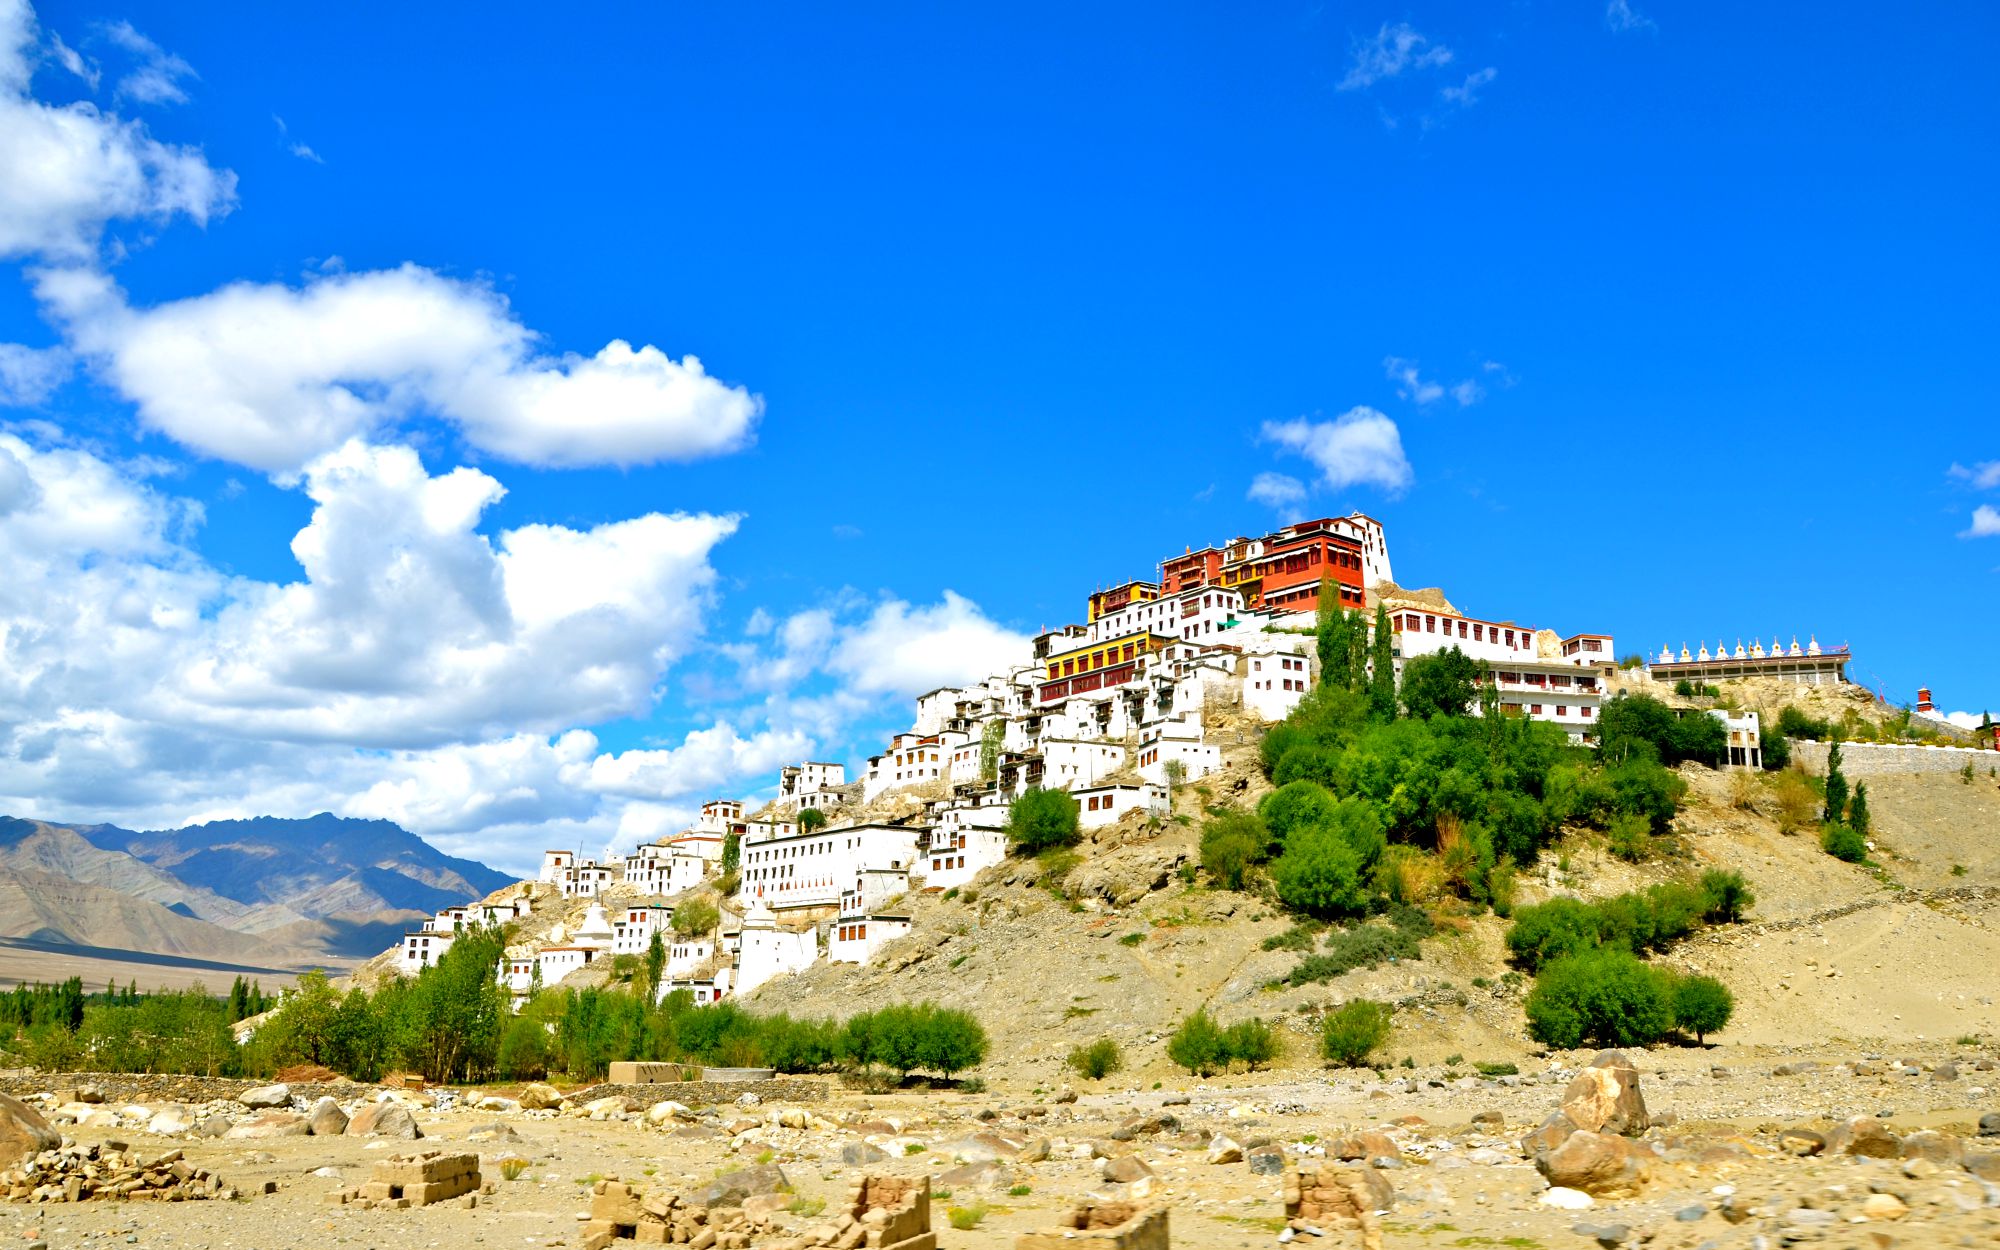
x: 1620, y: 16
x: 1389, y: 52
x: 1422, y: 391
x: 706, y: 762
x: 270, y: 376
x: 1966, y: 720
x: 1466, y: 94
x: 1984, y: 476
x: 1277, y: 490
x: 156, y: 76
x: 1985, y: 522
x: 67, y: 172
x: 305, y: 153
x: 905, y: 650
x: 73, y: 61
x: 1360, y: 446
x: 30, y: 375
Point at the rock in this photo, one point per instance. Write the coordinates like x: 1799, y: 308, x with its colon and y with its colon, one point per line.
x: 217, y: 1125
x: 269, y: 1124
x: 731, y: 1188
x: 1985, y: 1166
x: 1989, y: 1124
x: 1374, y: 1187
x: 1566, y: 1199
x: 1610, y: 1236
x: 696, y: 1132
x: 1865, y: 1136
x: 1605, y: 1097
x: 1267, y: 1161
x: 170, y: 1121
x: 326, y: 1119
x: 1145, y: 1125
x: 1224, y: 1150
x: 857, y: 1154
x: 494, y: 1102
x: 265, y: 1096
x: 987, y: 1175
x: 1491, y: 1121
x: 1801, y: 1141
x: 1945, y: 1072
x: 23, y: 1132
x: 661, y: 1112
x: 1370, y: 1145
x: 1552, y: 1133
x: 540, y: 1097
x: 1939, y: 1148
x: 1065, y: 1096
x: 1125, y: 1169
x: 983, y: 1148
x: 1596, y: 1163
x: 1884, y: 1207
x: 384, y: 1119
x: 495, y: 1131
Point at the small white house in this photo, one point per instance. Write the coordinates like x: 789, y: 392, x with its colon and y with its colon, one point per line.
x: 1274, y: 684
x: 554, y: 865
x: 685, y: 957
x: 423, y: 949
x: 1108, y: 804
x: 855, y: 939
x: 768, y: 951
x: 1169, y: 742
x: 633, y: 929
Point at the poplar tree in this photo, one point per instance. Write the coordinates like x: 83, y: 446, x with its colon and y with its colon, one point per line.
x: 1382, y: 681
x: 1836, y: 787
x: 1335, y: 640
x: 1857, y: 809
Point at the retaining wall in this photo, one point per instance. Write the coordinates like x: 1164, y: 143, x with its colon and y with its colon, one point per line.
x: 124, y: 1087
x: 706, y: 1093
x: 1875, y: 759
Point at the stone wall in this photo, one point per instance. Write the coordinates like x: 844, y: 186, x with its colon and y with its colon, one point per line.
x: 1875, y: 759
x: 141, y: 1087
x: 706, y: 1093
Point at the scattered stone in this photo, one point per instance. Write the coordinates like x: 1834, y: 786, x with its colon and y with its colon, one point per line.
x: 1605, y: 1097
x: 416, y: 1180
x: 384, y: 1119
x: 326, y: 1119
x: 1596, y: 1163
x: 540, y: 1097
x: 1801, y: 1141
x: 1266, y: 1161
x: 857, y: 1154
x: 110, y: 1170
x: 1225, y: 1150
x: 269, y: 1124
x: 1862, y: 1135
x: 266, y: 1096
x: 1563, y: 1199
x: 23, y: 1131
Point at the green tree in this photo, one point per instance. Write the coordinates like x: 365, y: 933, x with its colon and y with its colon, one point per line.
x: 355, y: 1043
x: 1231, y: 843
x: 1382, y: 668
x: 1319, y: 875
x: 1857, y: 809
x: 1295, y: 805
x: 950, y: 1041
x: 1096, y: 1061
x: 1836, y: 787
x: 1603, y: 996
x: 1702, y: 1005
x: 1040, y: 820
x: 990, y: 738
x: 656, y: 964
x: 1443, y: 683
x: 732, y: 852
x: 811, y: 820
x: 453, y: 1012
x: 302, y: 1030
x: 1353, y: 1031
x: 1727, y: 896
x: 695, y: 915
x: 1334, y: 640
x: 1842, y: 842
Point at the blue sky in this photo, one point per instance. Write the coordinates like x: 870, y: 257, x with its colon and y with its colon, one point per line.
x: 1667, y: 321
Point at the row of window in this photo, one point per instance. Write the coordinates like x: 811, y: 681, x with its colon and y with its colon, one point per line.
x: 853, y: 932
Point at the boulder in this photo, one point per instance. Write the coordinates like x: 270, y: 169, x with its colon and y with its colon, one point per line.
x: 731, y: 1188
x: 494, y: 1102
x: 1985, y: 1166
x: 605, y: 1108
x: 266, y: 1096
x: 495, y: 1131
x: 23, y: 1132
x: 1863, y: 1135
x: 540, y: 1097
x: 1605, y: 1097
x: 217, y: 1125
x: 1803, y: 1142
x: 1266, y: 1161
x: 1989, y: 1124
x: 269, y: 1124
x: 1370, y: 1145
x: 384, y: 1119
x: 857, y: 1154
x: 1601, y: 1164
x: 1550, y: 1135
x: 326, y: 1119
x: 1940, y: 1148
x: 1127, y: 1168
x: 987, y: 1175
x: 170, y: 1121
x: 661, y: 1112
x: 1945, y: 1072
x: 1371, y: 1185
x: 1224, y: 1150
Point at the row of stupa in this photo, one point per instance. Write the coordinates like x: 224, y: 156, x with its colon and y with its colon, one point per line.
x: 1756, y: 651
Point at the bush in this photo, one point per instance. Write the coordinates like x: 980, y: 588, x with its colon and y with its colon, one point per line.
x: 1630, y: 838
x: 1098, y: 1060
x: 1300, y: 937
x: 1777, y: 752
x: 1230, y: 844
x: 695, y: 916
x: 1641, y: 787
x: 1798, y: 805
x: 811, y: 820
x: 1443, y: 683
x: 1198, y: 1046
x: 1319, y: 874
x: 1041, y: 820
x: 1793, y: 723
x: 1702, y: 1005
x: 1362, y: 947
x: 1353, y: 1031
x: 1604, y: 996
x: 1250, y: 1041
x: 1842, y: 842
x: 1727, y: 896
x: 1545, y: 932
x: 1295, y: 805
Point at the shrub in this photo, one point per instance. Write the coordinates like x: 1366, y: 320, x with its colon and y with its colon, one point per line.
x: 1300, y: 937
x: 1604, y: 996
x: 1640, y: 787
x: 1797, y: 804
x: 695, y: 916
x: 1545, y: 932
x: 1857, y: 808
x: 1793, y: 723
x: 1443, y: 683
x: 1295, y: 805
x: 811, y: 820
x: 1630, y: 838
x: 1362, y: 947
x: 1250, y: 1041
x: 1777, y: 752
x: 1353, y: 1031
x: 1319, y: 874
x: 1702, y: 1005
x: 1835, y: 788
x: 1842, y: 842
x: 1041, y: 820
x: 1098, y: 1060
x: 1230, y: 844
x: 1198, y: 1046
x: 1495, y: 1069
x: 1727, y: 895
x: 967, y: 1218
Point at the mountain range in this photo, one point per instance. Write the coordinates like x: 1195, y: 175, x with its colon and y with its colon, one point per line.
x: 266, y: 896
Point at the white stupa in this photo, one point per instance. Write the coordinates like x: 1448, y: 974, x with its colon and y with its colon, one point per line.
x: 595, y: 931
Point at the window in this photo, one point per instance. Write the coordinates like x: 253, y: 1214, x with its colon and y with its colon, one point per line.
x: 1562, y: 709
x: 1461, y: 629
x: 1586, y: 713
x: 1534, y: 709
x: 1430, y: 624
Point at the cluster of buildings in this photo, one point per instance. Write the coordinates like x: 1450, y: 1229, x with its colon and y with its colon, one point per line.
x: 1114, y: 709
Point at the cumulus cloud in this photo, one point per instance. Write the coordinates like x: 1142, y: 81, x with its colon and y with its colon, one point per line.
x: 1966, y: 720
x: 73, y: 61
x: 1985, y: 522
x: 156, y: 74
x: 1277, y: 490
x: 270, y: 376
x: 1360, y: 446
x: 67, y: 172
x: 1422, y: 391
x: 30, y: 375
x: 1392, y: 50
x: 905, y: 650
x: 705, y: 762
